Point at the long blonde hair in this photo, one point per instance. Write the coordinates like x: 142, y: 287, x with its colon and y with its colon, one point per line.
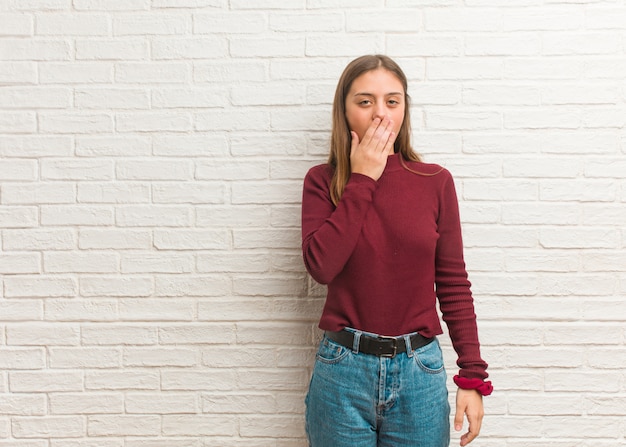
x: 340, y: 139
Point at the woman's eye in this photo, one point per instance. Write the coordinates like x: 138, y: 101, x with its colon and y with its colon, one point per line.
x: 393, y: 102
x: 365, y: 102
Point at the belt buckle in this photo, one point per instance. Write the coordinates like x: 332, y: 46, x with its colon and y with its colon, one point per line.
x: 394, y: 343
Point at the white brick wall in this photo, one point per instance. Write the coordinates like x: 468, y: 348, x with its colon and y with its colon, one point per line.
x: 151, y: 158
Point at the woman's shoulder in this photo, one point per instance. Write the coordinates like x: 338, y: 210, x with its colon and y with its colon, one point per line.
x: 321, y: 171
x: 428, y: 169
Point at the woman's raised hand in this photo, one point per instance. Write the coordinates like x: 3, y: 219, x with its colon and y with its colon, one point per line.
x: 369, y: 156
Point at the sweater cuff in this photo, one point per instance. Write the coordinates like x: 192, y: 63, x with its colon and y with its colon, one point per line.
x: 483, y: 387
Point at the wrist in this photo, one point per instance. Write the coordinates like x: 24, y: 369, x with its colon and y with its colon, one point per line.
x: 482, y: 387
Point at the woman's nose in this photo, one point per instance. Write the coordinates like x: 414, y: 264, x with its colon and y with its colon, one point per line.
x: 379, y: 112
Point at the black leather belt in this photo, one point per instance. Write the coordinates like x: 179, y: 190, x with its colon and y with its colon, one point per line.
x: 379, y: 346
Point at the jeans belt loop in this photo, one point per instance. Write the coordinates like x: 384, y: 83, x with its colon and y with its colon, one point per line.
x: 409, y: 347
x: 356, y: 342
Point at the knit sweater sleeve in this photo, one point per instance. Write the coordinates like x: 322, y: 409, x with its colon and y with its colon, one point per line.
x: 329, y: 233
x: 453, y: 287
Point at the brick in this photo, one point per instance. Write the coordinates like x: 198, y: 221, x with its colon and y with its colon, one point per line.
x: 35, y: 50
x: 18, y: 73
x: 191, y: 239
x: 544, y: 19
x: 309, y: 21
x: 232, y: 120
x: 72, y: 24
x: 271, y: 94
x: 17, y: 170
x: 21, y: 358
x: 76, y: 262
x: 186, y: 3
x: 189, y: 48
x: 150, y: 216
x: 173, y: 98
x: 118, y: 334
x: 71, y: 215
x: 76, y: 169
x: 268, y: 4
x: 19, y: 264
x: 239, y: 216
x: 229, y: 22
x: 156, y: 309
x: 440, y: 19
x: 143, y: 72
x: 118, y: 192
x: 35, y: 239
x: 24, y: 405
x: 106, y: 146
x: 161, y: 403
x: 39, y: 286
x: 46, y: 381
x: 152, y: 122
x: 70, y: 123
x: 112, y: 49
x: 590, y: 191
x: 80, y: 310
x: 114, y: 239
x: 243, y: 262
x: 552, y: 167
x: 229, y: 71
x: 204, y: 425
x: 86, y: 403
x: 206, y: 380
x: 579, y: 238
x: 111, y: 98
x: 131, y: 380
x: 534, y: 68
x: 210, y: 145
x: 326, y: 45
x: 21, y: 310
x: 197, y: 334
x: 107, y: 5
x: 34, y: 98
x: 17, y: 122
x: 191, y: 192
x: 151, y: 24
x: 580, y: 43
x: 192, y: 286
x: 154, y: 170
x: 232, y: 170
x: 16, y: 25
x: 84, y: 358
x: 124, y: 286
x: 264, y: 144
x: 45, y: 5
x: 75, y: 73
x: 37, y: 193
x: 288, y: 426
x: 157, y: 263
x: 267, y: 47
x: 43, y: 335
x: 162, y: 357
x: 48, y: 427
x: 238, y: 404
x: 123, y: 425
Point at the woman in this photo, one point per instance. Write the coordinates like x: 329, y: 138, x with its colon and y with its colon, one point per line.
x: 382, y: 230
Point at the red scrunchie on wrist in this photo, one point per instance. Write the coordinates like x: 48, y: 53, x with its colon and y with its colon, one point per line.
x: 484, y: 388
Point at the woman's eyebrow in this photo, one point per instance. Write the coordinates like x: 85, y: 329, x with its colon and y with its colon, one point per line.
x: 371, y: 94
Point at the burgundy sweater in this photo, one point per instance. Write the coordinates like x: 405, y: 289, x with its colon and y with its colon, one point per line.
x: 388, y: 251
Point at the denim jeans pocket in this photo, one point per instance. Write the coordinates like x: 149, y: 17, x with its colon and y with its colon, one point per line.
x: 429, y: 358
x: 330, y: 352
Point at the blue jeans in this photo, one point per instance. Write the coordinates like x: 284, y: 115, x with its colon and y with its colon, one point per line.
x: 361, y: 400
